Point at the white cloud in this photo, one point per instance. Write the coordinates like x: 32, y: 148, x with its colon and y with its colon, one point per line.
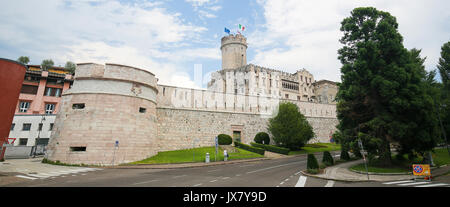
x: 141, y: 34
x: 305, y: 34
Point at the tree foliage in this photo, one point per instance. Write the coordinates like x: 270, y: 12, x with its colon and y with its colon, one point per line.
x: 70, y: 66
x: 384, y: 97
x: 444, y: 103
x: 261, y: 138
x: 289, y: 127
x: 23, y: 59
x: 46, y: 64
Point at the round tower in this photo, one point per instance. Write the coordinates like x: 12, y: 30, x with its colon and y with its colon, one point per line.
x: 108, y: 117
x: 234, y: 51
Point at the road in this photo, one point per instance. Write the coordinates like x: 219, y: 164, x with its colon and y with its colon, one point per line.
x: 284, y: 172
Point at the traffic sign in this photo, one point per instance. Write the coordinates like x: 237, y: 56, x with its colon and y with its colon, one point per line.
x: 420, y: 170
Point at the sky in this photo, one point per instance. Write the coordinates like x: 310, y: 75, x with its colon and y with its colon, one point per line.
x: 174, y: 38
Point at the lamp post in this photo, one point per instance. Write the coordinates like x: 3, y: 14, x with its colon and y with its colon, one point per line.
x: 39, y: 134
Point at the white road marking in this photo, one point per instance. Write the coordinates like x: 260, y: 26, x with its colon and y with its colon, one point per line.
x: 268, y: 168
x: 398, y: 182
x: 413, y: 183
x: 301, y: 182
x: 38, y: 176
x: 26, y: 177
x: 330, y: 183
x: 212, y: 181
x: 197, y: 185
x: 224, y: 178
x: 433, y: 185
x: 145, y: 182
x: 179, y: 176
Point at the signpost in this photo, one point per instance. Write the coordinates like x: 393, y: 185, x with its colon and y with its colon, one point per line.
x: 116, y: 145
x: 364, y: 157
x: 217, y: 148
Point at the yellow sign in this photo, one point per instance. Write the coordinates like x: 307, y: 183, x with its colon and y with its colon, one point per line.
x: 420, y: 170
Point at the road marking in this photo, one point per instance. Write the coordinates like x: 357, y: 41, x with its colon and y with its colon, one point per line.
x: 197, y: 185
x: 145, y: 182
x: 38, y: 176
x: 330, y: 183
x: 414, y: 183
x: 247, y: 165
x: 281, y: 183
x: 268, y: 168
x: 26, y: 177
x: 398, y: 182
x: 301, y: 182
x: 433, y: 185
x: 224, y: 178
x: 179, y: 176
x: 212, y: 181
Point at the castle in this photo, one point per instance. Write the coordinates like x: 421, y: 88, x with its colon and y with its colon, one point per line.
x: 117, y: 114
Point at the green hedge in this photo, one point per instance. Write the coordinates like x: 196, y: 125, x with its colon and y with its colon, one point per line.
x: 312, y: 162
x: 327, y: 159
x: 249, y: 148
x: 262, y: 136
x: 272, y: 148
x: 224, y: 139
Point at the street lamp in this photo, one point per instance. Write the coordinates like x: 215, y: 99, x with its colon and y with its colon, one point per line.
x: 39, y: 134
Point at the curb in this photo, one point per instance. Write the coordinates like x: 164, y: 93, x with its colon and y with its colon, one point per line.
x: 374, y: 173
x: 183, y: 165
x: 334, y: 179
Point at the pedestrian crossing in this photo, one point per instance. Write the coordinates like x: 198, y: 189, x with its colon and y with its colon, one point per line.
x: 412, y: 183
x: 63, y: 173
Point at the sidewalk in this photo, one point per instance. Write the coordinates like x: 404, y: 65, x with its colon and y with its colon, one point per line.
x: 341, y: 172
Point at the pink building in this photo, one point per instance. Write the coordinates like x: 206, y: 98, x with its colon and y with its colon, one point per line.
x: 35, y: 113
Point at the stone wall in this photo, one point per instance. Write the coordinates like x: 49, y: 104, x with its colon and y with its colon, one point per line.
x: 179, y: 128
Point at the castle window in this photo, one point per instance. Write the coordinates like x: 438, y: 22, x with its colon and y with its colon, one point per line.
x: 78, y: 149
x: 164, y: 91
x: 142, y: 110
x: 286, y: 95
x: 78, y: 106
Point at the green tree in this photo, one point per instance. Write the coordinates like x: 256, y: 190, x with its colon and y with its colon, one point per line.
x: 46, y: 64
x: 289, y: 127
x: 383, y: 98
x: 444, y: 66
x: 23, y: 59
x: 444, y: 104
x: 70, y: 66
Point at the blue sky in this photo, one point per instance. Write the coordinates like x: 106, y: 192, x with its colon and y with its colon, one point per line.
x: 168, y: 37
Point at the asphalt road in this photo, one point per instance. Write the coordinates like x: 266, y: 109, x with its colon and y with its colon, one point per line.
x: 284, y: 172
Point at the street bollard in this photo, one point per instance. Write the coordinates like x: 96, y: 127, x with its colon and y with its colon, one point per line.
x: 207, y: 158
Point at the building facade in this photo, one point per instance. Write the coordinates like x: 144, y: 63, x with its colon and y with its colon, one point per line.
x: 117, y: 114
x: 39, y: 102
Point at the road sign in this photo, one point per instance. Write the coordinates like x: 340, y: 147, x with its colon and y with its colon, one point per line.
x: 117, y: 143
x: 419, y: 170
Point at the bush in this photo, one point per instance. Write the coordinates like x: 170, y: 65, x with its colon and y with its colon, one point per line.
x: 272, y: 148
x: 312, y: 171
x: 224, y: 139
x: 249, y: 148
x: 262, y: 136
x: 344, y: 155
x: 327, y: 159
x: 312, y: 162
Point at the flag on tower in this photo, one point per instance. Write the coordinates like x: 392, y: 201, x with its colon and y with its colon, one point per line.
x: 241, y: 27
x: 227, y: 30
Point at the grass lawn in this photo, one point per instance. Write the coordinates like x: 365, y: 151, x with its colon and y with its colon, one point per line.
x: 317, y: 147
x: 440, y: 157
x: 195, y: 155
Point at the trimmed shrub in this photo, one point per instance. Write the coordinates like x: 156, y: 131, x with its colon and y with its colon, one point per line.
x: 262, y: 136
x: 225, y: 139
x: 249, y: 148
x: 344, y: 155
x: 312, y: 162
x: 327, y: 159
x: 272, y: 148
